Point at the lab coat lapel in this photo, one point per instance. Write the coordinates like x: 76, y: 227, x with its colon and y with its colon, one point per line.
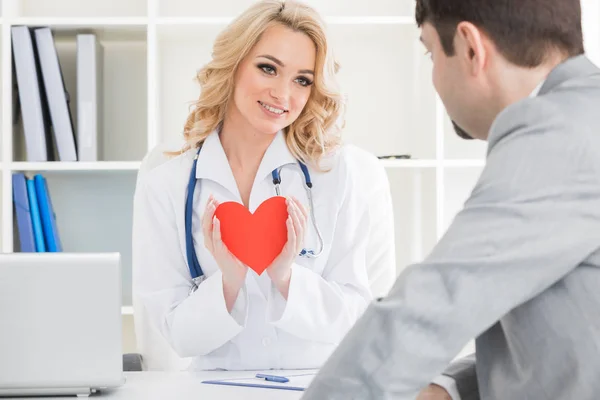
x: 213, y: 165
x: 277, y: 155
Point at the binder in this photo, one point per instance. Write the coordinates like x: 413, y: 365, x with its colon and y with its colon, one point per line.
x: 32, y: 96
x: 47, y: 214
x: 90, y: 56
x: 56, y: 95
x: 23, y: 213
x: 40, y: 243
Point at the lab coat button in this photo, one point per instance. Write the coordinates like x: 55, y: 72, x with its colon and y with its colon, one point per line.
x: 266, y: 341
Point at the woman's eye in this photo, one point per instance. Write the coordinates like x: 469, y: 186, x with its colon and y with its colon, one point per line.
x: 304, y: 81
x: 267, y: 69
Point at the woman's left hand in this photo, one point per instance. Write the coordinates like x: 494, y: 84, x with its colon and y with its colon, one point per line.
x: 280, y: 271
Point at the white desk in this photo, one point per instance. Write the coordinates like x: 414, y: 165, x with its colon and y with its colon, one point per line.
x: 189, y: 386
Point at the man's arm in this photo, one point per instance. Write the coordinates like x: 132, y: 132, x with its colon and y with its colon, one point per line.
x: 531, y: 219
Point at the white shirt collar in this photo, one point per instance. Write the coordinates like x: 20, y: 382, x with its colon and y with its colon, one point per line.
x: 537, y: 89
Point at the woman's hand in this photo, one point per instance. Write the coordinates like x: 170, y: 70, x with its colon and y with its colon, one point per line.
x: 280, y: 270
x: 234, y: 272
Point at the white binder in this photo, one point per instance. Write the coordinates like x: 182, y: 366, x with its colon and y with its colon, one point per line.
x: 56, y: 95
x: 35, y: 125
x: 89, y: 97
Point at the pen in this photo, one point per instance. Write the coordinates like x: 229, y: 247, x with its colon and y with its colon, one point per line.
x: 273, y: 378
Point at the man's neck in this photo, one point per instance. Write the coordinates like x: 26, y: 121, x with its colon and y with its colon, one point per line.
x: 517, y: 83
x: 513, y: 83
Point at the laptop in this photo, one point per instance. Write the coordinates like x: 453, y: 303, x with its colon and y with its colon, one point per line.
x: 60, y: 318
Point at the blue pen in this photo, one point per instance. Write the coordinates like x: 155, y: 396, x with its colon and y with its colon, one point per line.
x: 273, y: 378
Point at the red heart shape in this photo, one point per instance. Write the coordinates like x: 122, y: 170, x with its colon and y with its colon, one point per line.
x: 255, y: 239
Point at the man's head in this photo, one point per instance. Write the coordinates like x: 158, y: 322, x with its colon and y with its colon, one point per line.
x: 488, y: 54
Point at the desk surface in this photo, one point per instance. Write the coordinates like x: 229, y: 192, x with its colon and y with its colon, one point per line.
x: 188, y: 386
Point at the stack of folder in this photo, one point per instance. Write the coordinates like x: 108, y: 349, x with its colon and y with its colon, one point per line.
x: 44, y: 102
x: 35, y: 217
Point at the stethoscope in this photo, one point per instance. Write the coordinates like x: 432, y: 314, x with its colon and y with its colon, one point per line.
x: 193, y: 263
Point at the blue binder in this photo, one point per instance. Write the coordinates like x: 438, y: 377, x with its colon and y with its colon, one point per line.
x: 40, y: 243
x: 23, y: 213
x: 47, y: 215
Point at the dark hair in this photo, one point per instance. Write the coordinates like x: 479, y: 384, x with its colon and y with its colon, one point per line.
x: 524, y: 31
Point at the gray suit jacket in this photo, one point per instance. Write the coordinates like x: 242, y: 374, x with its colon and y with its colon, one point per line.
x: 519, y: 268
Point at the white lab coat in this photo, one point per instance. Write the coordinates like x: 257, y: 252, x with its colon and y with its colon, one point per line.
x: 263, y: 330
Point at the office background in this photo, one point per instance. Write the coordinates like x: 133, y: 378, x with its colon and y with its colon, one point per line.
x: 151, y: 52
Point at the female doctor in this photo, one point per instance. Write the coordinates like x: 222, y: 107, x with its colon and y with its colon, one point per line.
x: 265, y: 123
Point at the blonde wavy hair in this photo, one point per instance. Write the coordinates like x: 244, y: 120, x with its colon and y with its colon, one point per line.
x: 316, y: 130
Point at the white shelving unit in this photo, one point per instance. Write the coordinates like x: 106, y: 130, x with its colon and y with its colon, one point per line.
x: 153, y: 49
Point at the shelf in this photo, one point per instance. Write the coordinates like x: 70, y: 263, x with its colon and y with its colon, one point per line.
x: 106, y: 29
x: 415, y: 163
x: 123, y: 114
x: 77, y: 9
x: 76, y: 166
x: 193, y: 20
x: 374, y: 20
x: 225, y: 8
x: 403, y: 163
x: 79, y: 22
x: 331, y: 20
x: 463, y: 163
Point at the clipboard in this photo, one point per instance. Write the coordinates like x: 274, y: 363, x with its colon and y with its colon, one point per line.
x: 297, y: 382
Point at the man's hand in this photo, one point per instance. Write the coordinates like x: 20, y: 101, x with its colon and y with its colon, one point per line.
x: 434, y: 392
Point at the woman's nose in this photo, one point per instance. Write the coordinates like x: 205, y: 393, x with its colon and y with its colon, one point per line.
x: 280, y: 91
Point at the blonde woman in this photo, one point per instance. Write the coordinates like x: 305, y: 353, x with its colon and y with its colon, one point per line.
x: 268, y: 109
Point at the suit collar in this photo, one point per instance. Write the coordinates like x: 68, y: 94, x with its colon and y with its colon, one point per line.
x: 213, y: 164
x: 573, y: 67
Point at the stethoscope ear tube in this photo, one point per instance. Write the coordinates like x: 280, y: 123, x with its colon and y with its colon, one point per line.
x: 309, y: 253
x: 193, y: 263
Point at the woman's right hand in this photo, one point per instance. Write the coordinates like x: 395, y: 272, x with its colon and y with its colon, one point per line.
x: 233, y: 270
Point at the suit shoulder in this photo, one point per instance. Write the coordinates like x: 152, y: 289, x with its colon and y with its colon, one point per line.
x: 528, y: 119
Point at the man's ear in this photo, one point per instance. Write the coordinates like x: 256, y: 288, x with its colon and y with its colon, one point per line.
x: 470, y: 47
